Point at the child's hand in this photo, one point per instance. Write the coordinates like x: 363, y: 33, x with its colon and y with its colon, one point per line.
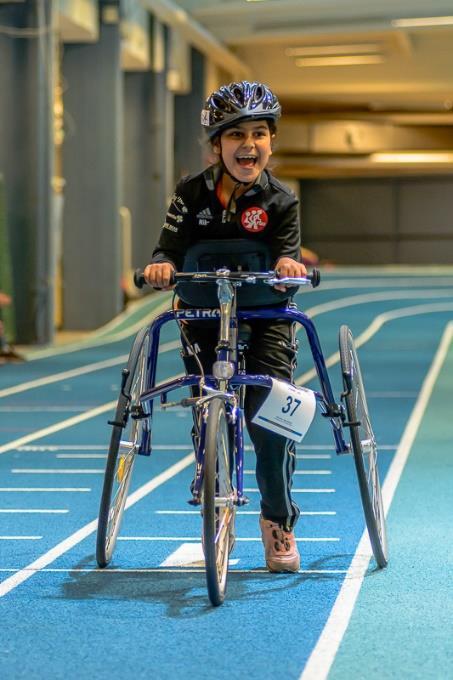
x: 286, y: 266
x: 159, y: 275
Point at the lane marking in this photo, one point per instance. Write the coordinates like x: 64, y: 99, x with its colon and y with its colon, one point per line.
x: 158, y: 570
x: 64, y: 546
x: 251, y: 490
x: 189, y: 555
x: 42, y: 409
x: 94, y: 447
x: 314, y: 456
x: 31, y: 489
x: 298, y: 472
x: 375, y: 326
x: 63, y: 447
x: 82, y: 455
x: 239, y: 512
x: 76, y: 372
x: 57, y: 427
x: 312, y: 312
x: 304, y: 539
x: 57, y: 471
x: 32, y: 511
x: 101, y: 338
x: 325, y: 650
x: 20, y: 538
x: 63, y: 375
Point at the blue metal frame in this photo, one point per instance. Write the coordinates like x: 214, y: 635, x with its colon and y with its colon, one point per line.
x: 324, y: 398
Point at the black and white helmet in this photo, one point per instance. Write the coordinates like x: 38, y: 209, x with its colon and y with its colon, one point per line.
x: 236, y: 102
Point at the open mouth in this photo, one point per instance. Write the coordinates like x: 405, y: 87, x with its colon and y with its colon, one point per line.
x: 247, y: 161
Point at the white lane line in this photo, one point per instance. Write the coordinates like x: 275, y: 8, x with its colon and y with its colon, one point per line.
x: 392, y: 395
x: 82, y: 455
x: 100, y: 336
x: 62, y: 425
x: 45, y: 489
x: 57, y: 471
x: 189, y: 555
x: 314, y: 456
x: 252, y: 490
x: 240, y: 512
x: 32, y: 511
x: 51, y: 555
x: 323, y: 654
x: 62, y: 447
x: 298, y: 472
x: 20, y: 538
x: 76, y: 372
x: 312, y: 312
x: 377, y: 324
x: 96, y: 447
x: 159, y: 570
x: 64, y: 375
x: 315, y: 539
x: 43, y: 409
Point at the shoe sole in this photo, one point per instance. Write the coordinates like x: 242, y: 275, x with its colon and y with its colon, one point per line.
x: 282, y: 569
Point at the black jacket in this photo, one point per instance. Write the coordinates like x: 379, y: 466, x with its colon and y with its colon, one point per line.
x: 268, y: 212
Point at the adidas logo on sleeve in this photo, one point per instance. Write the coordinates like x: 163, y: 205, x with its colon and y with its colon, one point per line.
x: 204, y: 217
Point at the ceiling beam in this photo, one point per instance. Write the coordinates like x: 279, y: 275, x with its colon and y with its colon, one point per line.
x: 177, y: 18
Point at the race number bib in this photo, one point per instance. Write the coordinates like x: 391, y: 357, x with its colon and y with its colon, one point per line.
x: 287, y: 410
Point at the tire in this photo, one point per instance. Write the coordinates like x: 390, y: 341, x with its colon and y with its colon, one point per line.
x: 364, y: 446
x: 218, y: 502
x: 127, y: 436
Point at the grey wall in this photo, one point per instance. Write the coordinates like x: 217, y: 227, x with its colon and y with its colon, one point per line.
x: 188, y: 148
x: 92, y: 163
x: 379, y: 221
x: 26, y: 163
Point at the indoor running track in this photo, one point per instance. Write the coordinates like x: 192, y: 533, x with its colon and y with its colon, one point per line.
x: 147, y: 615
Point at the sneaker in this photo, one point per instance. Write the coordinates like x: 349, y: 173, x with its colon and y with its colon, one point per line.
x: 9, y: 356
x: 280, y: 549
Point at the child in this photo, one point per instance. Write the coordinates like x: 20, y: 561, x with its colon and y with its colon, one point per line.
x: 237, y: 197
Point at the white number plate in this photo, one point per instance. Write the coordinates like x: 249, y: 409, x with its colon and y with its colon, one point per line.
x: 287, y: 410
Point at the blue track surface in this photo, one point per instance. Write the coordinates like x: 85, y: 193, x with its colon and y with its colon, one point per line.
x: 61, y: 617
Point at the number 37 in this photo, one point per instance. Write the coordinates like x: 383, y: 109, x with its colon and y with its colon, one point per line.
x: 289, y: 405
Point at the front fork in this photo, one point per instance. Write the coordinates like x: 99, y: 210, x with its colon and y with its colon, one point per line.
x: 235, y: 421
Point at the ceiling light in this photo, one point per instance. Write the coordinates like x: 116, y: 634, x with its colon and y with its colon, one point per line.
x: 412, y: 157
x: 322, y: 50
x: 423, y: 21
x: 350, y: 60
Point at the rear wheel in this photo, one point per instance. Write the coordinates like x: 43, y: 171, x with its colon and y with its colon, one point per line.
x: 218, y: 502
x: 130, y: 432
x: 364, y: 446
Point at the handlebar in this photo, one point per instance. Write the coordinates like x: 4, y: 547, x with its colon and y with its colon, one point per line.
x: 269, y: 278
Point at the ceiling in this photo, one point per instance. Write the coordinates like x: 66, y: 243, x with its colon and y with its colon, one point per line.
x: 338, y: 62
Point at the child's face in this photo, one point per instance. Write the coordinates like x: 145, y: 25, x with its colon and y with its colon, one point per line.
x: 245, y: 149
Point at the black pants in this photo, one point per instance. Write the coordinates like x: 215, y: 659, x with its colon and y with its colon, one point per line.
x: 272, y: 351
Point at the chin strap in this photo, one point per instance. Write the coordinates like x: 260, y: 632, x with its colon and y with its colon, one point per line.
x: 230, y: 210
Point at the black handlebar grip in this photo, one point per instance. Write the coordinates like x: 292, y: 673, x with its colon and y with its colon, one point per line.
x: 315, y: 278
x: 139, y: 278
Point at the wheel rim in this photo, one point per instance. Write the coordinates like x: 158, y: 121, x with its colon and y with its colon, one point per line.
x: 368, y: 449
x: 129, y: 445
x: 224, y: 506
x: 218, y: 502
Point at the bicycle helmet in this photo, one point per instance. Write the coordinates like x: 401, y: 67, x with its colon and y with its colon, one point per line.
x: 236, y: 102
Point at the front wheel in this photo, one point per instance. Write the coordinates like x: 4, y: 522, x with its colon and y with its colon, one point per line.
x: 130, y: 432
x: 364, y: 446
x: 218, y: 501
